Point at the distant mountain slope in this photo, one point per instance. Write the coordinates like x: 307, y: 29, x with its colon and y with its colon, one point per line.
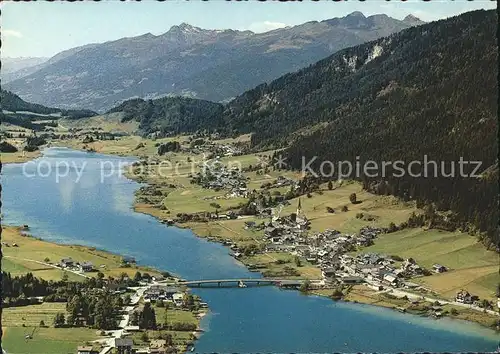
x: 171, y: 115
x: 19, y: 69
x: 10, y: 65
x: 186, y: 60
x: 429, y: 90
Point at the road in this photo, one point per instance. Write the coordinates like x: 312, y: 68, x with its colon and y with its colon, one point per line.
x: 401, y: 293
x: 108, y: 342
x: 410, y: 295
x: 49, y: 265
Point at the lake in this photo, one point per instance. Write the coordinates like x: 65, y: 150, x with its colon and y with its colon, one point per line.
x: 91, y: 205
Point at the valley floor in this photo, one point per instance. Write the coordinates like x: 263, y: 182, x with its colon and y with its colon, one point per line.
x: 470, y: 265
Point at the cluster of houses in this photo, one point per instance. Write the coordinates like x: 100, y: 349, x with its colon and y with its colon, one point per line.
x: 325, y: 249
x: 282, y: 181
x: 156, y: 346
x: 329, y: 250
x: 120, y: 345
x: 379, y: 270
x: 216, y: 149
x: 464, y: 297
x: 284, y: 233
x: 164, y: 293
x: 223, y: 178
x: 69, y: 263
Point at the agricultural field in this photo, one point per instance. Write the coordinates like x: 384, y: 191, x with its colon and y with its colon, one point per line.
x: 107, y: 123
x: 275, y: 264
x: 17, y: 157
x: 39, y: 256
x: 18, y: 322
x: 174, y: 315
x: 471, y: 266
x: 381, y: 209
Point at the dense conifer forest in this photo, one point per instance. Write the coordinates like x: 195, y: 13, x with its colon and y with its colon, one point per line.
x: 13, y: 103
x: 171, y: 115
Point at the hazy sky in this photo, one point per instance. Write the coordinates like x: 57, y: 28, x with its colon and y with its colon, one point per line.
x: 46, y: 28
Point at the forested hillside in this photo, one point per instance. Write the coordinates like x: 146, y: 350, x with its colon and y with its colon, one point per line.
x: 13, y: 103
x: 429, y: 90
x: 171, y: 115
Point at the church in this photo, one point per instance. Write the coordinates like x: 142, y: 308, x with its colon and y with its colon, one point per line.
x: 301, y: 218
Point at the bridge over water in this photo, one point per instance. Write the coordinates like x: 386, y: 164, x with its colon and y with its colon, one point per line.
x: 241, y: 282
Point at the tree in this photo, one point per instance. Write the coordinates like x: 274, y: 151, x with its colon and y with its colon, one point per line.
x: 42, y: 323
x: 430, y: 214
x: 73, y: 307
x: 6, y: 147
x: 134, y: 318
x: 144, y: 336
x: 147, y: 318
x: 168, y: 338
x: 188, y: 301
x: 344, y: 208
x: 304, y: 287
x: 337, y: 293
x: 297, y: 261
x: 330, y: 185
x: 485, y: 304
x: 215, y: 205
x: 137, y: 276
x: 59, y: 320
x: 353, y: 198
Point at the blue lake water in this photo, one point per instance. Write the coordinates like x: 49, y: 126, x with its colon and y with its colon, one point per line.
x: 96, y: 210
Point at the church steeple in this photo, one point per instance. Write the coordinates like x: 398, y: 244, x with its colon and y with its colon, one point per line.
x: 299, y: 209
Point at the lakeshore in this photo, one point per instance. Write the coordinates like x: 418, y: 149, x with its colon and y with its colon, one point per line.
x: 24, y: 253
x: 175, y: 194
x: 177, y: 253
x: 19, y: 157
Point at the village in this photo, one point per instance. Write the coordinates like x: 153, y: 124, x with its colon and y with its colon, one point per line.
x: 219, y: 177
x: 134, y: 336
x: 338, y: 255
x: 335, y: 254
x: 258, y: 203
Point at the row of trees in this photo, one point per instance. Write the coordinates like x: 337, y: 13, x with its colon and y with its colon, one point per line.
x: 100, y: 310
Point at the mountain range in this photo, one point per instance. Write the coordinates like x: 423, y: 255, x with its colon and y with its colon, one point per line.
x: 208, y: 64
